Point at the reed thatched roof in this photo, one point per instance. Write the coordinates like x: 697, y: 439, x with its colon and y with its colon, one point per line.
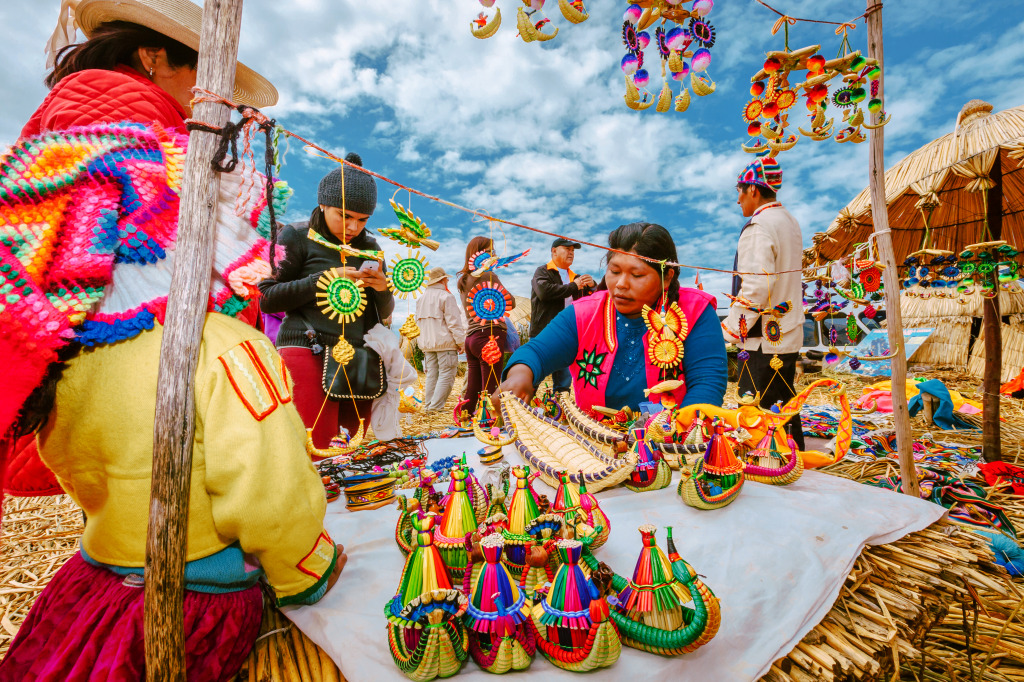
x: 942, y: 181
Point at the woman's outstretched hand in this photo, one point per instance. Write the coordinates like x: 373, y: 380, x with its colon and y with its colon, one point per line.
x: 518, y: 381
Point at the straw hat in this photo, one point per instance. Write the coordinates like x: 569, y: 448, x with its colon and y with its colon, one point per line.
x: 178, y: 19
x: 435, y: 275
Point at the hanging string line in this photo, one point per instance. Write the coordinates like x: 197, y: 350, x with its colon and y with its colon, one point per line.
x: 206, y: 96
x: 847, y: 24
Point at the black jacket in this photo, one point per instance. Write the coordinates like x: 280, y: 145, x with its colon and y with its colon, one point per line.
x: 547, y: 297
x: 294, y: 289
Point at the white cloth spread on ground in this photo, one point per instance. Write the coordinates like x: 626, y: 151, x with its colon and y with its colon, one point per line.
x: 776, y: 557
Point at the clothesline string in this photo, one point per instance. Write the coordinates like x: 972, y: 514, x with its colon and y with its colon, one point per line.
x: 201, y: 95
x: 874, y: 8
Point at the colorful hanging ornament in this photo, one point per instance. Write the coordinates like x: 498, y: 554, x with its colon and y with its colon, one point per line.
x: 772, y: 331
x: 668, y: 330
x: 340, y: 298
x: 775, y: 363
x: 343, y: 352
x: 489, y: 425
x: 572, y: 620
x: 491, y: 352
x: 409, y: 328
x: 408, y: 276
x: 411, y: 231
x: 852, y: 328
x: 487, y: 302
x: 870, y: 279
x: 485, y: 261
x: 425, y: 631
x: 651, y: 609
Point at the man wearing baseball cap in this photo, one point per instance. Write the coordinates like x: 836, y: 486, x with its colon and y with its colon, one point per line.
x: 770, y: 243
x: 554, y: 287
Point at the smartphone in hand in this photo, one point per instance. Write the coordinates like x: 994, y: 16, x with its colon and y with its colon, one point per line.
x: 369, y: 265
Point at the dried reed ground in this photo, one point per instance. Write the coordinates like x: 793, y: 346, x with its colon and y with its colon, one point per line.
x: 905, y: 605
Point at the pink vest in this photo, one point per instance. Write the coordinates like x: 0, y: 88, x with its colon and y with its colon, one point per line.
x: 595, y: 329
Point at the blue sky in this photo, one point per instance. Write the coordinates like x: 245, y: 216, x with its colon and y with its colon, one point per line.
x: 539, y: 134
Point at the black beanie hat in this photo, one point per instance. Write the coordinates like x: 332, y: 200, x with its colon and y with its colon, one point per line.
x: 360, y: 188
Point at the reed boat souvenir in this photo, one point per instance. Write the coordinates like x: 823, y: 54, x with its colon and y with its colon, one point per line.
x: 652, y: 472
x: 488, y: 425
x: 650, y: 609
x: 611, y: 441
x: 501, y: 636
x: 765, y: 464
x: 676, y: 443
x: 553, y: 448
x: 573, y: 498
x: 716, y: 479
x: 425, y: 630
x: 340, y: 445
x: 573, y: 623
x: 526, y: 523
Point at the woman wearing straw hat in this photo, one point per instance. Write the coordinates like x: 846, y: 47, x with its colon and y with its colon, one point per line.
x: 442, y: 338
x: 256, y: 505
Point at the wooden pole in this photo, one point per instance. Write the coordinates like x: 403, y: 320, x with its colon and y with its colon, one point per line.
x: 174, y: 423
x: 883, y: 241
x: 991, y: 448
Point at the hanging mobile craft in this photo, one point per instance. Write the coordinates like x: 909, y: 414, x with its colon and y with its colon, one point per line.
x: 340, y: 297
x: 491, y: 352
x: 484, y: 261
x: 408, y: 276
x: 668, y: 330
x: 487, y: 302
x: 411, y: 231
x: 409, y: 328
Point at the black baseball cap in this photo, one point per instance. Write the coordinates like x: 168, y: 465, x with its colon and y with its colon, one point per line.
x: 562, y: 241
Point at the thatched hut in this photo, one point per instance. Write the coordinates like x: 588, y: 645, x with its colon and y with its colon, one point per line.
x: 938, y: 199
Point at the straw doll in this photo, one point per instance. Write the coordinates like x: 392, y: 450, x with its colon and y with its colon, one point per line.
x: 569, y: 498
x: 572, y: 620
x: 715, y: 480
x: 458, y: 521
x: 477, y: 493
x: 525, y: 521
x: 425, y: 630
x: 650, y: 610
x: 501, y: 637
x: 765, y: 464
x: 652, y: 471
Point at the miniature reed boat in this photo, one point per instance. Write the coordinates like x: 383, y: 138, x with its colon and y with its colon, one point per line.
x: 609, y: 440
x: 652, y: 471
x: 553, y: 448
x: 488, y: 426
x: 717, y: 478
x: 765, y: 464
x: 425, y: 631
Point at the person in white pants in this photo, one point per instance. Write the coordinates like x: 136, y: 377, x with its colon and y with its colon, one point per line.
x: 442, y: 338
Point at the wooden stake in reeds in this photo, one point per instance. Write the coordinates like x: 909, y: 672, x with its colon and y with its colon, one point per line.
x: 883, y: 240
x: 992, y: 450
x: 174, y: 425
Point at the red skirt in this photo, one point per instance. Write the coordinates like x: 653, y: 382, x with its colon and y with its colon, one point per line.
x: 87, y: 626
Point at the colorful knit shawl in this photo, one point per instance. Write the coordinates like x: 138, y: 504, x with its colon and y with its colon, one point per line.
x: 88, y: 221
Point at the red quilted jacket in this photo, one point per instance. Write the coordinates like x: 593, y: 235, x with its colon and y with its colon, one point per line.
x: 84, y: 98
x: 101, y: 96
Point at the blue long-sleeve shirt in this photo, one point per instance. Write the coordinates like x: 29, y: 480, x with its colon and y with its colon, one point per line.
x: 705, y: 366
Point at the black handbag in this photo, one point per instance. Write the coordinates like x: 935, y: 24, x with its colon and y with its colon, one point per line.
x: 363, y: 378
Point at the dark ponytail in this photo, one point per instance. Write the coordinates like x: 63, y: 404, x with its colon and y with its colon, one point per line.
x: 653, y: 241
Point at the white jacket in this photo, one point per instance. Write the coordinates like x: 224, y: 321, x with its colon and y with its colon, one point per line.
x: 439, y: 317
x: 771, y: 242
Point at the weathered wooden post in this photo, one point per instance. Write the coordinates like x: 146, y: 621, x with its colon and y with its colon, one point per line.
x: 991, y: 447
x: 174, y: 422
x: 883, y: 240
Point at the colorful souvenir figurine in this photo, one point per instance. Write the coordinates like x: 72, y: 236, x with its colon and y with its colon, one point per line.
x: 572, y: 621
x: 765, y: 464
x: 488, y: 425
x: 650, y: 609
x: 572, y: 497
x: 477, y: 493
x: 526, y: 523
x: 501, y: 636
x: 652, y: 471
x: 425, y: 630
x: 716, y: 479
x: 457, y: 521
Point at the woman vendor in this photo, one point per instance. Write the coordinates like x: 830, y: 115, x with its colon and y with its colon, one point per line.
x: 604, y: 339
x: 336, y: 228
x: 83, y: 373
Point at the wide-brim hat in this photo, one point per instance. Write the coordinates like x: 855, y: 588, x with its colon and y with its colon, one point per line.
x: 435, y: 275
x: 178, y: 19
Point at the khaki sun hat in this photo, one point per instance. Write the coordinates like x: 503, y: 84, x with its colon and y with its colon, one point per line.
x: 178, y: 19
x: 435, y: 275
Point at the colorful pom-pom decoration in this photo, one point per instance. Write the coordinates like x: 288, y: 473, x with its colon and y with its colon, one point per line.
x: 754, y: 129
x: 743, y: 356
x: 816, y: 64
x: 340, y: 297
x: 773, y: 332
x: 408, y: 276
x: 487, y: 302
x: 702, y: 32
x: 676, y: 38
x: 870, y: 312
x: 633, y: 14
x: 875, y: 106
x: 643, y: 38
x: 772, y: 65
x: 682, y: 74
x: 630, y: 64
x: 854, y: 364
x: 757, y: 88
x: 770, y: 110
x: 641, y: 78
x: 700, y: 60
x: 701, y: 7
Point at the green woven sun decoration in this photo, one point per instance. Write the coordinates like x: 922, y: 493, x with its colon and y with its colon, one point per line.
x: 408, y: 276
x: 340, y: 297
x: 650, y: 608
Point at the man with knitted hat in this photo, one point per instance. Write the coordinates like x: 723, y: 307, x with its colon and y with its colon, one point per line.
x: 766, y: 317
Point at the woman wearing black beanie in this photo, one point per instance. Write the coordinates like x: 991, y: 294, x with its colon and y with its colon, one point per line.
x: 346, y: 199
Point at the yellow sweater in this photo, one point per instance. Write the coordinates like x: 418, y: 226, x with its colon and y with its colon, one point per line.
x: 252, y: 481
